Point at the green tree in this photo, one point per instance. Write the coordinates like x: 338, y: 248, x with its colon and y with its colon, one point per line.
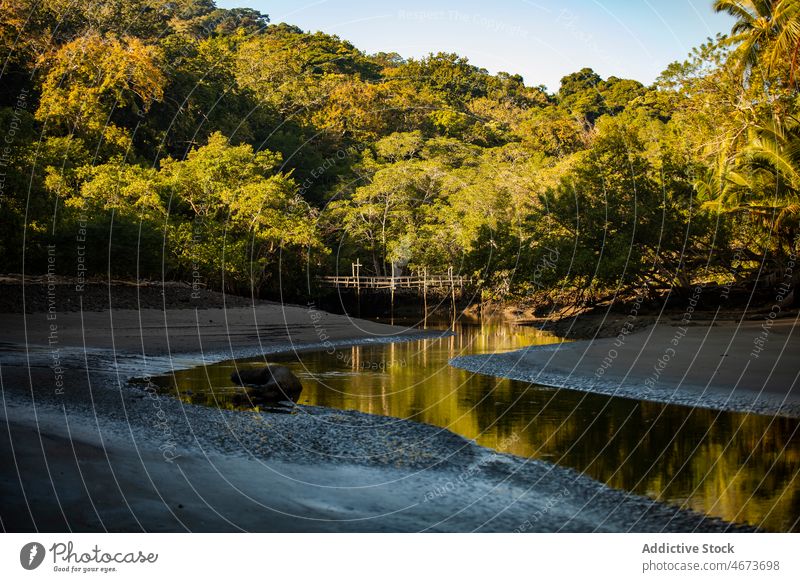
x: 91, y: 81
x: 579, y: 94
x: 229, y: 212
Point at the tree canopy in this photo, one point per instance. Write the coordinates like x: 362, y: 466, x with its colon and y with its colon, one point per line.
x: 219, y: 144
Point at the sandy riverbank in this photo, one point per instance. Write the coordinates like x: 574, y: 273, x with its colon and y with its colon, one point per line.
x: 158, y: 332
x: 746, y: 366
x: 103, y: 454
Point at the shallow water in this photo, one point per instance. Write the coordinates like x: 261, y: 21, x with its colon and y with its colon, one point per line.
x: 740, y: 467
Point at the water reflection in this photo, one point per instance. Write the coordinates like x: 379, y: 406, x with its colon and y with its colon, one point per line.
x: 736, y: 466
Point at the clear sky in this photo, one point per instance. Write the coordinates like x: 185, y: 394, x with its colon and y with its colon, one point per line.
x: 542, y: 40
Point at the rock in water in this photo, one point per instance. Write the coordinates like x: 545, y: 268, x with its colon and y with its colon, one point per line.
x: 272, y: 383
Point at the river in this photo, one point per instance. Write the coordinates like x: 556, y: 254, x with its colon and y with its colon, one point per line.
x: 740, y: 467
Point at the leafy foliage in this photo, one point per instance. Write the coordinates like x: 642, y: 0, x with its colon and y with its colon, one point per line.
x: 220, y: 146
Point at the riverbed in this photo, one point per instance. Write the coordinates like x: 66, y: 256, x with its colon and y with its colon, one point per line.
x: 737, y: 466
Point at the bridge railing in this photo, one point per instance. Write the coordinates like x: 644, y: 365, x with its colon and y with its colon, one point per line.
x: 402, y: 282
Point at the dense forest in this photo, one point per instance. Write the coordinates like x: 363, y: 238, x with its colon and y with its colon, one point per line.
x: 151, y: 139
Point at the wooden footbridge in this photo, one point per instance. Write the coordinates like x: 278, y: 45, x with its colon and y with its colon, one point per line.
x: 418, y: 282
x: 421, y: 282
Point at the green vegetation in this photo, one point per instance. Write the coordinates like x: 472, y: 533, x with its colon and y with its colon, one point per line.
x: 158, y: 138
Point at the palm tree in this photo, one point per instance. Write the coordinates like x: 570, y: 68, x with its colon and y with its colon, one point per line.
x: 752, y: 31
x: 762, y: 180
x: 764, y: 30
x: 786, y: 18
x: 723, y: 188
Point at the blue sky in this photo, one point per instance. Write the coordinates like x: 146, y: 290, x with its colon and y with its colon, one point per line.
x: 542, y: 40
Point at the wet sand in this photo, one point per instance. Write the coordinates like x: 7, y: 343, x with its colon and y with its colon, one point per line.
x: 104, y: 454
x: 156, y: 332
x: 750, y: 366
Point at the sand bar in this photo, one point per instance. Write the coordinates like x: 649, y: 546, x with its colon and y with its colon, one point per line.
x: 752, y: 366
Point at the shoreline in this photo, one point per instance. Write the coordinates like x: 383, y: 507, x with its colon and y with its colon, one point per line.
x: 105, y: 454
x: 714, y: 366
x: 625, y: 317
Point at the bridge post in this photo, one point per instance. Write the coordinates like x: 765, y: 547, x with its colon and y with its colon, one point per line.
x: 452, y: 292
x: 357, y: 276
x: 425, y: 296
x: 391, y: 291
